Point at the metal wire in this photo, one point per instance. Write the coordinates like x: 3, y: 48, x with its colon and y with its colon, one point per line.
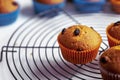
x: 31, y: 50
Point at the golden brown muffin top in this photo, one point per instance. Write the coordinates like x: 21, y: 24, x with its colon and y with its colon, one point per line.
x: 79, y: 37
x: 50, y: 1
x: 110, y: 60
x: 7, y: 6
x: 114, y: 30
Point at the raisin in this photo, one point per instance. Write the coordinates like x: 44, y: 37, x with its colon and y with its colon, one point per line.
x: 14, y: 3
x: 79, y: 49
x: 103, y: 60
x: 92, y: 28
x: 63, y: 31
x: 117, y: 23
x: 76, y: 32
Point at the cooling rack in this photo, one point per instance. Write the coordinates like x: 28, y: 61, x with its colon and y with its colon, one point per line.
x: 32, y: 52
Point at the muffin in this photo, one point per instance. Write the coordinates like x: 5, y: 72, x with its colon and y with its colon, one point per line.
x: 7, y: 6
x: 89, y: 5
x: 113, y: 33
x: 110, y: 63
x: 115, y: 4
x: 50, y: 1
x: 43, y: 5
x: 8, y: 12
x: 79, y: 44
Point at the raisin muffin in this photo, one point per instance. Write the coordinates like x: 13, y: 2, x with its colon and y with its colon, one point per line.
x: 86, y: 6
x: 9, y: 11
x: 110, y: 64
x: 113, y: 33
x: 79, y: 44
x: 115, y: 4
x: 50, y: 1
x: 7, y: 6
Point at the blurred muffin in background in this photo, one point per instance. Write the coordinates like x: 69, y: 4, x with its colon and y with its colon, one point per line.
x: 50, y: 1
x: 43, y: 5
x: 8, y: 12
x: 7, y: 6
x: 89, y: 5
x: 115, y: 4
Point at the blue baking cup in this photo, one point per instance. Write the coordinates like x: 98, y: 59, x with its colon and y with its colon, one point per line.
x: 40, y: 7
x: 87, y: 6
x: 8, y: 18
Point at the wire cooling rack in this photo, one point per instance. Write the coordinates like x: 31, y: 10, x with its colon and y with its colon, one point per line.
x: 32, y: 52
